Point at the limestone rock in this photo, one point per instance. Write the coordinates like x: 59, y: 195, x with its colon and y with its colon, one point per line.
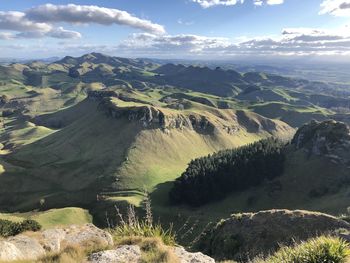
x: 86, y: 234
x: 187, y: 257
x: 9, y: 252
x: 30, y: 247
x: 52, y: 238
x: 122, y: 254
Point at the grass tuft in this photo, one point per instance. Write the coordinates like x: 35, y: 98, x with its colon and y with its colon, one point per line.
x: 133, y: 226
x: 321, y: 249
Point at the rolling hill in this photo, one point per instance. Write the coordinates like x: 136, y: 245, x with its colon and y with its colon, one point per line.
x: 106, y: 144
x: 97, y: 130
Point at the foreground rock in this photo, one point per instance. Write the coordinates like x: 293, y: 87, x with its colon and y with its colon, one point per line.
x: 133, y: 254
x: 32, y: 246
x: 187, y: 257
x: 130, y: 254
x: 248, y: 235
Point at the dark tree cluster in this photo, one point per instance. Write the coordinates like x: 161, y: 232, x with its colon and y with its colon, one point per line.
x: 9, y: 228
x: 212, y: 177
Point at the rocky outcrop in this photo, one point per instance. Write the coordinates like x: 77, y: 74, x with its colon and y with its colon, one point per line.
x: 263, y: 232
x: 153, y: 117
x: 127, y: 253
x: 32, y: 246
x: 133, y: 254
x: 188, y: 257
x: 328, y: 138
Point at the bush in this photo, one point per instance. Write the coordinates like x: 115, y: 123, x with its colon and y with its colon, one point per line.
x: 30, y: 225
x: 9, y: 228
x: 322, y: 249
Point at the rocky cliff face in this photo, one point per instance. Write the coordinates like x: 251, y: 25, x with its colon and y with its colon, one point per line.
x: 166, y: 119
x: 328, y: 138
x: 153, y: 117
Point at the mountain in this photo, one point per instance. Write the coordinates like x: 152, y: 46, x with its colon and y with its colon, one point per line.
x: 295, y: 101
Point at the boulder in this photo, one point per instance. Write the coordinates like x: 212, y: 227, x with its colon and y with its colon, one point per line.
x: 132, y: 254
x: 9, y: 252
x: 122, y: 254
x: 188, y: 257
x: 87, y: 234
x: 31, y: 246
x: 52, y: 238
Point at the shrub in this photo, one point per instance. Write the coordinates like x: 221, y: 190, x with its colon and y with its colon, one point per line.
x: 322, y: 249
x: 30, y: 225
x: 9, y: 228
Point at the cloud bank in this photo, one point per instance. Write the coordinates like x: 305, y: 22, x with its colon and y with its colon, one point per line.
x: 211, y: 3
x: 335, y: 7
x: 291, y: 42
x: 40, y: 21
x: 84, y: 14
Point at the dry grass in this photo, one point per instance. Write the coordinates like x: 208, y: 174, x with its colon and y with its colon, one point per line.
x: 153, y: 249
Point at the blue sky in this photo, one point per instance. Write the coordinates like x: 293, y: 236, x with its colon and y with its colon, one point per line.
x: 175, y: 28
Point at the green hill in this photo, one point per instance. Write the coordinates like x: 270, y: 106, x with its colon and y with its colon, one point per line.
x: 107, y: 145
x: 315, y: 174
x: 96, y: 130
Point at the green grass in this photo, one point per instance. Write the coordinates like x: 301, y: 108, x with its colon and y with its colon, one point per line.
x: 53, y: 217
x: 322, y: 249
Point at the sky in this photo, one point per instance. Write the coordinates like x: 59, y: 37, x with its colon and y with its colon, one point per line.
x: 193, y: 29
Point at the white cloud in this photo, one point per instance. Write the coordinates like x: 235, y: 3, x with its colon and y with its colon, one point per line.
x: 268, y: 2
x: 291, y: 42
x: 275, y: 2
x: 60, y: 32
x: 335, y: 7
x: 17, y: 21
x: 40, y: 21
x: 84, y: 14
x: 6, y: 36
x: 25, y: 28
x: 176, y: 44
x: 210, y: 3
x: 185, y: 23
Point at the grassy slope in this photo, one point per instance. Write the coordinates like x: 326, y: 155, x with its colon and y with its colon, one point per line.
x: 53, y: 217
x: 291, y: 114
x: 95, y: 152
x: 290, y: 191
